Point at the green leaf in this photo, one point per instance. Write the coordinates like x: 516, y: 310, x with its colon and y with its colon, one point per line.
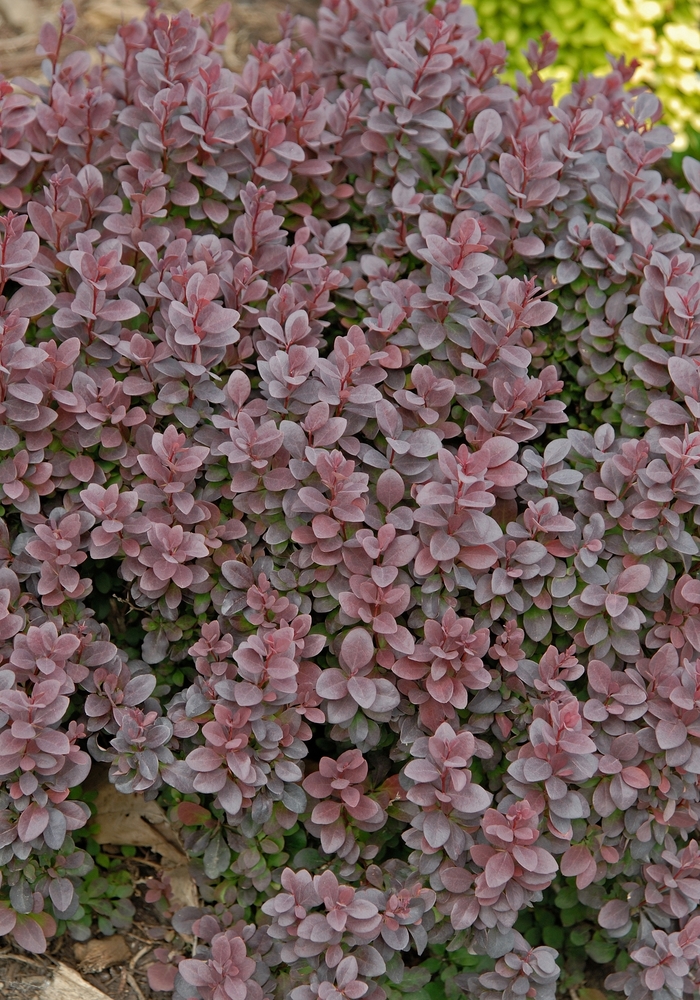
x: 533, y: 936
x: 579, y: 937
x: 217, y: 857
x: 102, y: 906
x: 573, y: 915
x: 566, y: 898
x: 537, y: 623
x: 308, y: 858
x: 546, y: 917
x: 96, y: 887
x: 553, y: 936
x: 415, y: 978
x: 435, y: 990
x: 601, y: 951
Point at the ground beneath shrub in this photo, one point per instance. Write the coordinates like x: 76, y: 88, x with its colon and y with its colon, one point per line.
x: 24, y: 977
x: 20, y: 21
x: 116, y: 966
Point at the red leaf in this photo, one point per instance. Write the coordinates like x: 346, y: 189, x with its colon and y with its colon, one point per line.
x: 499, y: 869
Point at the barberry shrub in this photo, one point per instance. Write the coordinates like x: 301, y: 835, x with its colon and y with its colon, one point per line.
x: 350, y: 433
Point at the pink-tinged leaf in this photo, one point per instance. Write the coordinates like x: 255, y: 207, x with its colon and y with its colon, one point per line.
x: 615, y: 604
x: 576, y: 743
x: 357, y: 649
x: 691, y: 591
x: 654, y: 978
x: 326, y: 812
x: 332, y: 684
x: 365, y: 809
x: 546, y: 862
x: 526, y: 857
x: 191, y: 814
x: 333, y: 837
x: 436, y: 493
x: 635, y: 777
x: 317, y: 785
x: 390, y: 489
x: 82, y: 468
x: 32, y: 822
x: 31, y: 301
x: 196, y: 972
x: 499, y: 869
x: 644, y: 956
x: 599, y: 675
x: 161, y: 978
x: 422, y: 771
x: 474, y: 799
x: 456, y: 879
x: 634, y: 579
x: 401, y: 551
x: 575, y: 860
x: 29, y: 935
x: 119, y: 310
x: 614, y: 914
x: 443, y: 547
x: 670, y: 733
x: 464, y: 912
x: 204, y: 759
x: 61, y: 891
x: 496, y: 451
x: 665, y: 411
x: 139, y: 688
x: 529, y: 246
x: 401, y: 641
x: 487, y: 127
x: 313, y: 500
x: 436, y: 829
x: 539, y: 313
x: 362, y: 690
x: 8, y: 918
x: 684, y: 374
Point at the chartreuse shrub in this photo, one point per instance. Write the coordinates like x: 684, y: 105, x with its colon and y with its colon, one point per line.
x: 663, y: 36
x: 350, y: 433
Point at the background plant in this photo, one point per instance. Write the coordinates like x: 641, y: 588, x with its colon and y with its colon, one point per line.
x: 661, y: 37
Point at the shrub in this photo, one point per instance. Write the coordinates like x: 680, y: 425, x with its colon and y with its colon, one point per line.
x: 350, y: 419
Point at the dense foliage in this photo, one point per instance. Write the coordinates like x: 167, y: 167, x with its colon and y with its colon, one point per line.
x: 662, y: 36
x: 350, y: 420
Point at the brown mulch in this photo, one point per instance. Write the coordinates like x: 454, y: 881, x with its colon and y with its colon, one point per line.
x: 22, y: 977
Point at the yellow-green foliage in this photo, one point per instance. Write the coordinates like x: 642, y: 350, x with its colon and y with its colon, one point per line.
x: 664, y: 35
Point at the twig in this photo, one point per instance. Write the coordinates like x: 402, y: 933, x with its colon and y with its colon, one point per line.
x: 11, y: 957
x: 140, y: 954
x: 137, y: 938
x: 135, y: 986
